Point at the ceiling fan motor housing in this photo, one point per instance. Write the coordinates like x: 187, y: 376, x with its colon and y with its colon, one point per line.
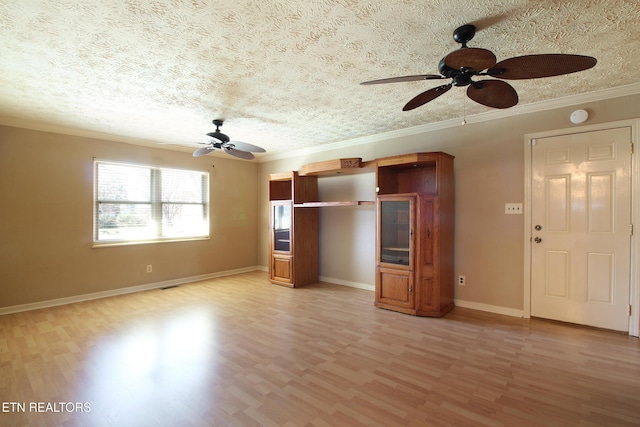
x: 219, y: 136
x: 445, y: 70
x: 463, y: 34
x: 460, y: 77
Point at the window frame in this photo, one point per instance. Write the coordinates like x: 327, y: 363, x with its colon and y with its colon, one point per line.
x: 156, y: 204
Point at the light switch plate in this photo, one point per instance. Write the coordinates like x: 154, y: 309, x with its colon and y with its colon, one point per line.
x: 513, y: 208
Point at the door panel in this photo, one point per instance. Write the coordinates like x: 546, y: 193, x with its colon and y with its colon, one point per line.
x: 281, y: 268
x: 558, y: 203
x: 600, y: 277
x: 600, y: 202
x: 395, y: 287
x: 429, y: 300
x: 581, y: 202
x: 557, y: 278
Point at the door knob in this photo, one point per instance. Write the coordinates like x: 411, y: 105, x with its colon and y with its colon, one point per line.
x: 538, y: 227
x: 537, y: 240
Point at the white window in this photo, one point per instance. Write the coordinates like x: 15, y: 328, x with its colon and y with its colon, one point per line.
x: 140, y: 204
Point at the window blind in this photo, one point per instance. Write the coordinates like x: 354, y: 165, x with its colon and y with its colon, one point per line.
x: 137, y: 203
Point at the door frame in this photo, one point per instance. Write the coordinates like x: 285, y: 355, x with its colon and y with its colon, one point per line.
x: 634, y: 284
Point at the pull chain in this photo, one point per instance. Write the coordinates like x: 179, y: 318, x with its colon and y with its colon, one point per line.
x: 464, y: 109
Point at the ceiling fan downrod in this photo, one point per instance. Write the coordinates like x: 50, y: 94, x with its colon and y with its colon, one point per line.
x: 217, y: 134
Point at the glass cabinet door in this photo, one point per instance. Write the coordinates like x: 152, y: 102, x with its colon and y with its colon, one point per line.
x: 281, y: 214
x: 395, y: 232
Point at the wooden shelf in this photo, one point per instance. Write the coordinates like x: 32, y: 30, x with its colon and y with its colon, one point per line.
x: 326, y: 204
x: 337, y: 167
x: 281, y: 176
x: 410, y: 160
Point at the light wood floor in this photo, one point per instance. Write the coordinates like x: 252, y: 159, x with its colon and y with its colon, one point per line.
x: 240, y: 352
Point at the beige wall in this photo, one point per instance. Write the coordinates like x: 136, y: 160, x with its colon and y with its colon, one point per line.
x: 489, y: 172
x: 46, y: 210
x: 46, y: 220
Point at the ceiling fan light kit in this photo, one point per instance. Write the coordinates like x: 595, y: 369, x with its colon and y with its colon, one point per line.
x: 462, y: 66
x: 221, y: 141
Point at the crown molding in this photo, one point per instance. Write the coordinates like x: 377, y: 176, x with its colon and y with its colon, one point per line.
x: 534, y: 107
x: 65, y: 130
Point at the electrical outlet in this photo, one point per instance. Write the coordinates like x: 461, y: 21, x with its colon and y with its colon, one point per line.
x: 513, y: 208
x: 462, y: 280
x: 149, y: 268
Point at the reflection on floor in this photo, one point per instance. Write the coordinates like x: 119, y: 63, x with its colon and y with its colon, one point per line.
x: 238, y: 351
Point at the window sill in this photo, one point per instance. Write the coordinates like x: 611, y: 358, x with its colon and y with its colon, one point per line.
x: 146, y: 242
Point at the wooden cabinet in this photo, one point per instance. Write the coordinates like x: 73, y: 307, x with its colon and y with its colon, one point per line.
x: 293, y: 242
x: 414, y: 234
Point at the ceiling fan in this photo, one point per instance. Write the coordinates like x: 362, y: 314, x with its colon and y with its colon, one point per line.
x: 221, y: 141
x: 464, y: 64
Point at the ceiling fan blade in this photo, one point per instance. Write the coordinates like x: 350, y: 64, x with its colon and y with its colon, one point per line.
x: 493, y: 93
x: 203, y: 151
x: 537, y: 66
x: 244, y: 146
x: 404, y: 79
x: 240, y: 154
x: 425, y: 97
x: 473, y: 58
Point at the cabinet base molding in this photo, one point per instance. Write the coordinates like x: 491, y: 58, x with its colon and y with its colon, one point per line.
x: 420, y: 313
x: 286, y: 285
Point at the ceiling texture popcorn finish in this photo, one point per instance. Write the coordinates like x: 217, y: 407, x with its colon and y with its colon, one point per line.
x: 283, y: 74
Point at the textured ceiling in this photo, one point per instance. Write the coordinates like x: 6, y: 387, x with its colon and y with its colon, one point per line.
x: 284, y: 74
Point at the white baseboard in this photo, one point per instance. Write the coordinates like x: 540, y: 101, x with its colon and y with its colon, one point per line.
x: 122, y: 291
x: 335, y: 281
x: 490, y: 308
x: 460, y: 303
x: 358, y: 285
x: 175, y: 282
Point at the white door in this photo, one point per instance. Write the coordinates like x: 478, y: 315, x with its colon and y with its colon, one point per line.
x: 581, y: 218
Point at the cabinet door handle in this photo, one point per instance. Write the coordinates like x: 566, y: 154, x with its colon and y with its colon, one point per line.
x: 411, y: 290
x: 428, y: 233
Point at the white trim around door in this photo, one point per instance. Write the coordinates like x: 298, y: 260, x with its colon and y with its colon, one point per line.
x: 634, y: 297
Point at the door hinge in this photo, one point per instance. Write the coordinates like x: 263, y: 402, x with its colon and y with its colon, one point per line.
x: 632, y: 148
x: 629, y: 310
x: 631, y: 229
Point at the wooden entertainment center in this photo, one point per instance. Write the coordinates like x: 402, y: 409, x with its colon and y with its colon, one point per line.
x: 414, y: 228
